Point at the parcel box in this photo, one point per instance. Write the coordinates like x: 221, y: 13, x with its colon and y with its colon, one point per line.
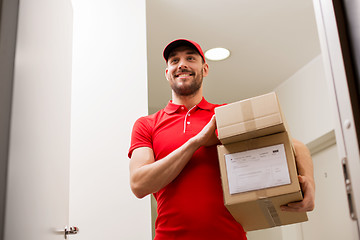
x: 250, y: 118
x: 258, y: 176
x: 257, y: 163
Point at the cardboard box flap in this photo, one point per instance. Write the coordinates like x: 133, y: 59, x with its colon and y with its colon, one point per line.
x: 250, y: 125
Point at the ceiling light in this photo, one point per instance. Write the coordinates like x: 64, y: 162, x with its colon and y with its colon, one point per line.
x: 217, y: 54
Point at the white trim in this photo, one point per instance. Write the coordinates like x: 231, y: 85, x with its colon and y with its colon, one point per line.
x: 185, y: 120
x: 322, y: 142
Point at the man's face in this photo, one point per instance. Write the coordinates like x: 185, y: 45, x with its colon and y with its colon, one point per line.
x: 185, y: 71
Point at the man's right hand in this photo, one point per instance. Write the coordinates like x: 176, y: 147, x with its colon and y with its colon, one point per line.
x: 207, y: 136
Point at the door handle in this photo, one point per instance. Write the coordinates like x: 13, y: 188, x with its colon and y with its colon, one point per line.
x: 70, y: 231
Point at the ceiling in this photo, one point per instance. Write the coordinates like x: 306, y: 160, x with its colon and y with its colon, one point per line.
x: 269, y: 41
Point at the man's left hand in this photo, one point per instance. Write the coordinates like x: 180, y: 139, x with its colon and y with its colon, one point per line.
x: 308, y: 202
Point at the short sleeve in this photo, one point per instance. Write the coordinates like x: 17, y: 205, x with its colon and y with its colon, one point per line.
x: 141, y: 135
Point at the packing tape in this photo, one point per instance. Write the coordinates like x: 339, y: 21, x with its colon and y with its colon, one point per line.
x: 269, y: 211
x: 248, y: 113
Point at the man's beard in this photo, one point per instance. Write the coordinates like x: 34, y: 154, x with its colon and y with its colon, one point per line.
x: 188, y: 90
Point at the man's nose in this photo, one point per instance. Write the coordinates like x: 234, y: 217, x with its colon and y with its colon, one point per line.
x: 182, y: 64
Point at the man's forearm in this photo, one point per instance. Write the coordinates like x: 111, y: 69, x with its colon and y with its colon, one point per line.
x: 306, y: 178
x: 152, y: 177
x: 304, y: 161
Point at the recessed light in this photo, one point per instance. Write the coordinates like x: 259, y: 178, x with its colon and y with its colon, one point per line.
x: 217, y: 54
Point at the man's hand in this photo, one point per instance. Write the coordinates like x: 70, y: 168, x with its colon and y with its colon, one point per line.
x: 308, y: 203
x: 306, y: 179
x: 207, y: 136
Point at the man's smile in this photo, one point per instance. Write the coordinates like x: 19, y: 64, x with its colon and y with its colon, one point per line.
x: 184, y: 74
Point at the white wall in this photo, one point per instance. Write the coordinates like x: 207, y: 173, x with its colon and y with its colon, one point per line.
x: 109, y: 92
x: 304, y: 99
x: 271, y: 233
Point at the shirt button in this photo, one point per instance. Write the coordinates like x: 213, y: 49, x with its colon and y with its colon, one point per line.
x: 182, y: 108
x: 189, y: 114
x: 188, y: 123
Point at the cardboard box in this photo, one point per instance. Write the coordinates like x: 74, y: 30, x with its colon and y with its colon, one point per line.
x: 257, y: 163
x: 259, y: 209
x: 250, y: 118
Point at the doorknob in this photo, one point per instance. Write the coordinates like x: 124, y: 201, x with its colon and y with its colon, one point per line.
x: 70, y: 231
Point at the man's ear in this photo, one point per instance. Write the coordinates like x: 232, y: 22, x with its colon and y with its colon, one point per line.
x: 205, y: 69
x: 166, y: 73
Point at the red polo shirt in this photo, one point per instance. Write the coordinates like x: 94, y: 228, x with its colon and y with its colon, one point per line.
x: 191, y: 206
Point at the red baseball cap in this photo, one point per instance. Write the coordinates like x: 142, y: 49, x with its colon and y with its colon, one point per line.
x: 182, y: 42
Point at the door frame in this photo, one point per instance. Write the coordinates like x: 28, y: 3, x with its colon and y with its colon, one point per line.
x: 340, y: 73
x: 8, y: 29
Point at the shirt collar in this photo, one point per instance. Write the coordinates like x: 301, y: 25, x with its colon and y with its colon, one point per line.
x: 203, y: 104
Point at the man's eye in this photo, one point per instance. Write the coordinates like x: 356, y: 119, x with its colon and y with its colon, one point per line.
x: 191, y: 58
x: 173, y: 61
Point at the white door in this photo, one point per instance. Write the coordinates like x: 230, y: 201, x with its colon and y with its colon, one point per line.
x: 330, y: 219
x: 76, y: 96
x: 109, y: 92
x: 38, y: 173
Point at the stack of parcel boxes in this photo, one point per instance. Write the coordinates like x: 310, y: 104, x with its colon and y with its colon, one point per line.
x: 257, y: 163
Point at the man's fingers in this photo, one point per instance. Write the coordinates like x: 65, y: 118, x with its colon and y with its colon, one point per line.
x: 307, y: 204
